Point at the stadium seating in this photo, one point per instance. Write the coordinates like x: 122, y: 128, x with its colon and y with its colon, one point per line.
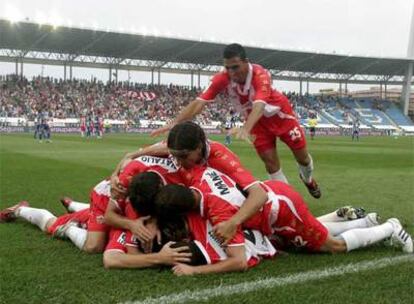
x: 398, y: 117
x: 72, y: 99
x: 23, y: 100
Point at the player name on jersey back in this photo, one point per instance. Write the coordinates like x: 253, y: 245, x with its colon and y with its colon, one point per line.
x: 219, y: 184
x: 166, y: 163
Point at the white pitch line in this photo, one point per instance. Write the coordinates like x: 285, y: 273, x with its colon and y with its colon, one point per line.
x: 240, y: 288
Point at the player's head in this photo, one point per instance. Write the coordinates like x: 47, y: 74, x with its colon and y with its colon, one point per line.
x: 187, y: 143
x: 235, y: 62
x: 173, y: 201
x: 142, y: 191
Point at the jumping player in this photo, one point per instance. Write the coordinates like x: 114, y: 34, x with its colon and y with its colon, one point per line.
x: 268, y: 113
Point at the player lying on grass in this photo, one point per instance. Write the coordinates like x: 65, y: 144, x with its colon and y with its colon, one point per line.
x: 188, y: 145
x: 118, y: 255
x: 92, y: 237
x: 211, y: 201
x: 107, y: 212
x: 76, y: 225
x: 124, y: 251
x: 284, y: 216
x: 207, y: 254
x: 49, y: 223
x: 70, y: 226
x: 111, y: 212
x: 193, y: 235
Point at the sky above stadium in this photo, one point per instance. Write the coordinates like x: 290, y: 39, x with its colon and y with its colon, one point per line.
x: 368, y: 27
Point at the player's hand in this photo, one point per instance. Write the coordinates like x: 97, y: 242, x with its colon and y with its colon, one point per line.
x: 173, y: 256
x: 242, y: 134
x: 137, y: 227
x: 225, y: 231
x: 117, y: 190
x: 183, y: 269
x: 153, y: 228
x: 160, y: 131
x: 155, y: 233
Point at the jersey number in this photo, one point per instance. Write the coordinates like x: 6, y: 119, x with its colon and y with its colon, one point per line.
x: 295, y: 134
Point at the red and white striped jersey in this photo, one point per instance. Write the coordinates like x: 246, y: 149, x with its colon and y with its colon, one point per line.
x: 256, y: 245
x: 257, y: 88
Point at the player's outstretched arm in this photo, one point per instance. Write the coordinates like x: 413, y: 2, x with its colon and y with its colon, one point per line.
x: 254, y: 116
x: 189, y: 112
x: 157, y: 149
x: 167, y: 256
x: 236, y: 261
x: 256, y: 198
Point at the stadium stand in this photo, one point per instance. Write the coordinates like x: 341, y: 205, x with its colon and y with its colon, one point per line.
x: 23, y: 100
x: 121, y: 101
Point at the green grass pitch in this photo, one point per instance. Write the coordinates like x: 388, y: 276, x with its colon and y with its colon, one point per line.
x: 377, y: 173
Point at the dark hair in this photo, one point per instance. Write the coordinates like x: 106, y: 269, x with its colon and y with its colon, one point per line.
x: 197, y: 257
x: 234, y: 50
x: 142, y: 191
x: 187, y: 136
x: 173, y: 201
x: 174, y: 229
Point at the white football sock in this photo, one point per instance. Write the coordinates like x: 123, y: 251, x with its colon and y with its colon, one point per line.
x: 35, y: 216
x: 336, y: 228
x: 306, y: 171
x: 359, y: 238
x: 77, y: 206
x: 331, y: 217
x: 77, y: 236
x: 278, y: 175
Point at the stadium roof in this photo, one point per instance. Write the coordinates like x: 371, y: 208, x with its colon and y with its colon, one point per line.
x: 46, y: 44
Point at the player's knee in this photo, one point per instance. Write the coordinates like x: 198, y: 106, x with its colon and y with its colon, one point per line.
x: 335, y: 246
x: 49, y: 224
x: 93, y: 247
